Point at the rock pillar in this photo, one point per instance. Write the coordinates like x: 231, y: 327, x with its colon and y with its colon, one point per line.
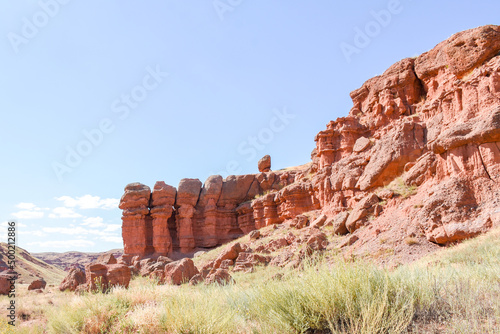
x: 187, y: 197
x: 135, y: 229
x: 162, y: 202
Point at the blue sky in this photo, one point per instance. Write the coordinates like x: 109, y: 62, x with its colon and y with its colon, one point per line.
x: 97, y: 94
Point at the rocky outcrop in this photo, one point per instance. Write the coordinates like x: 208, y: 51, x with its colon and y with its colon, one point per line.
x: 167, y: 219
x: 187, y: 197
x: 161, y: 208
x: 433, y: 121
x: 425, y: 126
x: 137, y: 231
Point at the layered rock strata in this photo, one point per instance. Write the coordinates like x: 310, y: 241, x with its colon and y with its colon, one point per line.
x: 420, y: 147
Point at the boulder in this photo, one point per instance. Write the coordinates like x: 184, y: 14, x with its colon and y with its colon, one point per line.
x: 454, y: 232
x: 265, y: 164
x: 254, y: 235
x: 74, y: 278
x: 362, y: 143
x: 7, y: 279
x: 339, y: 223
x: 300, y: 221
x: 37, y: 284
x: 319, y: 222
x: 229, y: 253
x: 317, y: 241
x: 181, y: 271
x: 361, y: 211
x: 188, y: 192
x: 196, y: 279
x: 220, y: 276
x: 102, y: 277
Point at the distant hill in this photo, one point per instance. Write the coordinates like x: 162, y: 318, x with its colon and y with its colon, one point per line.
x: 30, y: 267
x: 67, y: 260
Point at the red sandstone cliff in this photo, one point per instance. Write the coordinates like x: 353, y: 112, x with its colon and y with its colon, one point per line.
x: 418, y: 155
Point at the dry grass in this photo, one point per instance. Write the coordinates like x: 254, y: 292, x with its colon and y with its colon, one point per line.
x: 399, y: 187
x: 453, y: 291
x: 411, y: 241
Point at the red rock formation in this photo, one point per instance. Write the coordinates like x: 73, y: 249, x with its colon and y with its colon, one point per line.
x: 99, y: 276
x: 162, y: 205
x: 37, y: 284
x: 219, y: 276
x: 264, y: 164
x: 7, y: 280
x: 337, y: 141
x: 206, y: 226
x: 180, y: 271
x: 74, y: 278
x: 296, y: 199
x: 136, y: 226
x: 245, y: 218
x: 432, y: 120
x: 430, y: 124
x: 187, y: 197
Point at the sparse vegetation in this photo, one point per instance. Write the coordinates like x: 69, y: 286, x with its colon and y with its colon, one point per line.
x: 265, y: 193
x: 411, y: 241
x: 453, y: 291
x: 399, y: 187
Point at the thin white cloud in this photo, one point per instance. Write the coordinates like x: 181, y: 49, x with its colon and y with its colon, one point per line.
x: 28, y: 214
x: 6, y: 224
x: 62, y: 212
x: 63, y: 244
x: 89, y: 202
x: 26, y: 206
x: 28, y: 211
x: 93, y: 222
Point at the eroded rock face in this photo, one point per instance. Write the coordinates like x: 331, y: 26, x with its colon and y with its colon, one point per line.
x: 137, y: 223
x: 426, y: 122
x: 169, y: 219
x: 431, y: 121
x: 162, y: 205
